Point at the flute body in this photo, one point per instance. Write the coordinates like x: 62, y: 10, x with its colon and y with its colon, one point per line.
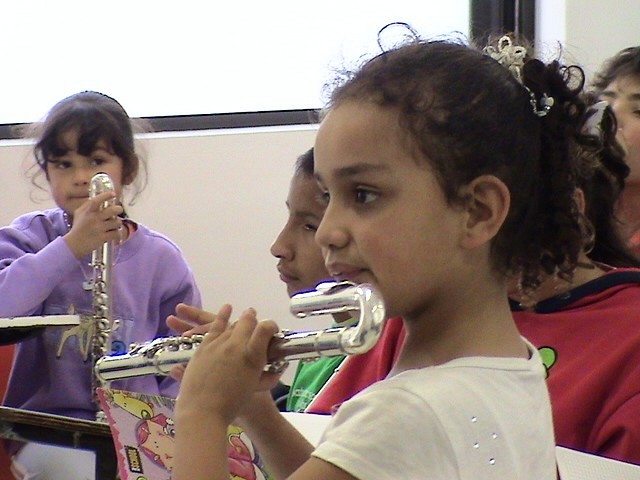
x: 102, y: 263
x: 159, y: 356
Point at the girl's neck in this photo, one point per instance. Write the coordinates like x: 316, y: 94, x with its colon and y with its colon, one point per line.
x: 476, y: 322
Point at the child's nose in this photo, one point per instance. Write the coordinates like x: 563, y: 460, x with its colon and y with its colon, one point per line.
x: 330, y: 233
x: 281, y: 247
x: 82, y: 176
x: 618, y: 113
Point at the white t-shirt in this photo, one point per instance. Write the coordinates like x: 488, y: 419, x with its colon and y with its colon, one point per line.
x: 471, y: 418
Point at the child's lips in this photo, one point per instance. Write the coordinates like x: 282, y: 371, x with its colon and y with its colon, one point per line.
x: 344, y: 272
x: 286, y: 275
x: 351, y: 277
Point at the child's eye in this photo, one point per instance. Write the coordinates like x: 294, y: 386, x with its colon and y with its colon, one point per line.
x: 365, y: 196
x: 60, y: 164
x: 97, y: 161
x: 324, y: 198
x: 310, y: 227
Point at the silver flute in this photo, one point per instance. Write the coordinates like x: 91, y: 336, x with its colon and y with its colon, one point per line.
x: 159, y: 356
x: 102, y: 263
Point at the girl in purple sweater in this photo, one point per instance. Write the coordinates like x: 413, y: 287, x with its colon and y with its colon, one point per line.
x: 45, y: 270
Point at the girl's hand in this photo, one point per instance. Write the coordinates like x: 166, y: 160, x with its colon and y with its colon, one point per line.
x: 228, y: 367
x: 93, y: 225
x: 190, y: 320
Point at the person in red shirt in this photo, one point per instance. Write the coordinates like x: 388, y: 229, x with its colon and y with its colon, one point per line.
x: 587, y: 331
x: 618, y: 83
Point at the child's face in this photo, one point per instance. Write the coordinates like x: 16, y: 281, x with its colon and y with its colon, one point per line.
x: 623, y: 94
x: 70, y: 174
x: 387, y: 221
x: 300, y: 264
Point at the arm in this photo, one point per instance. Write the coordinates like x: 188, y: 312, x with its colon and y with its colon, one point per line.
x: 184, y: 290
x: 28, y: 277
x: 282, y: 447
x: 202, y: 456
x: 225, y: 371
x: 35, y: 258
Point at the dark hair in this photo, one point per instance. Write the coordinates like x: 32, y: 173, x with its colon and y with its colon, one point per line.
x: 469, y: 116
x: 623, y: 64
x: 601, y: 177
x: 305, y: 164
x: 607, y: 182
x: 96, y: 117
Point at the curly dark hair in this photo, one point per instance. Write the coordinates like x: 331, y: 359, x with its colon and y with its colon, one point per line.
x: 601, y: 176
x: 625, y: 63
x: 467, y: 115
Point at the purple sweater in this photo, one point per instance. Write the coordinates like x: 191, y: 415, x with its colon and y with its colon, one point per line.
x: 40, y: 276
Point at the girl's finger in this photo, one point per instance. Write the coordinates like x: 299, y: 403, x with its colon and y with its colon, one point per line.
x: 194, y: 314
x: 244, y: 326
x: 260, y: 339
x: 220, y: 324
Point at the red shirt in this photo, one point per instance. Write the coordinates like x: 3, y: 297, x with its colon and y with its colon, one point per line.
x: 589, y: 339
x: 357, y: 372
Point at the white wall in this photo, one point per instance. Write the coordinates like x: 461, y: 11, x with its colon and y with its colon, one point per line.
x: 590, y: 30
x: 219, y: 195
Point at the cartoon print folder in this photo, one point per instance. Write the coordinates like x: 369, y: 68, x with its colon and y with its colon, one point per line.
x: 143, y: 433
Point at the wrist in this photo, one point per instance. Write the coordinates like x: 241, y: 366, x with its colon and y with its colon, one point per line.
x: 262, y: 409
x: 73, y: 245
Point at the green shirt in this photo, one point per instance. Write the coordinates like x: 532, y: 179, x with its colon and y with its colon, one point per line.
x: 310, y: 377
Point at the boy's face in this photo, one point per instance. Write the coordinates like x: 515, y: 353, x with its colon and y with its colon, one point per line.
x: 623, y: 94
x: 300, y: 264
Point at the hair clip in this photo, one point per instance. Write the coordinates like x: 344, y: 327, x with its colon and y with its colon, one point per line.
x: 593, y: 125
x: 546, y: 102
x: 508, y: 55
x: 512, y: 57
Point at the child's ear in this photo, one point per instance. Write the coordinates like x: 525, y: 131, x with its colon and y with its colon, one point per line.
x: 487, y: 201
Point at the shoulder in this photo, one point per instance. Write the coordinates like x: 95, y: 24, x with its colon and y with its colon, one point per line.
x: 445, y: 392
x: 54, y: 216
x: 457, y: 392
x: 156, y: 236
x: 618, y: 287
x: 154, y: 243
x: 154, y: 255
x: 442, y: 414
x: 43, y: 226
